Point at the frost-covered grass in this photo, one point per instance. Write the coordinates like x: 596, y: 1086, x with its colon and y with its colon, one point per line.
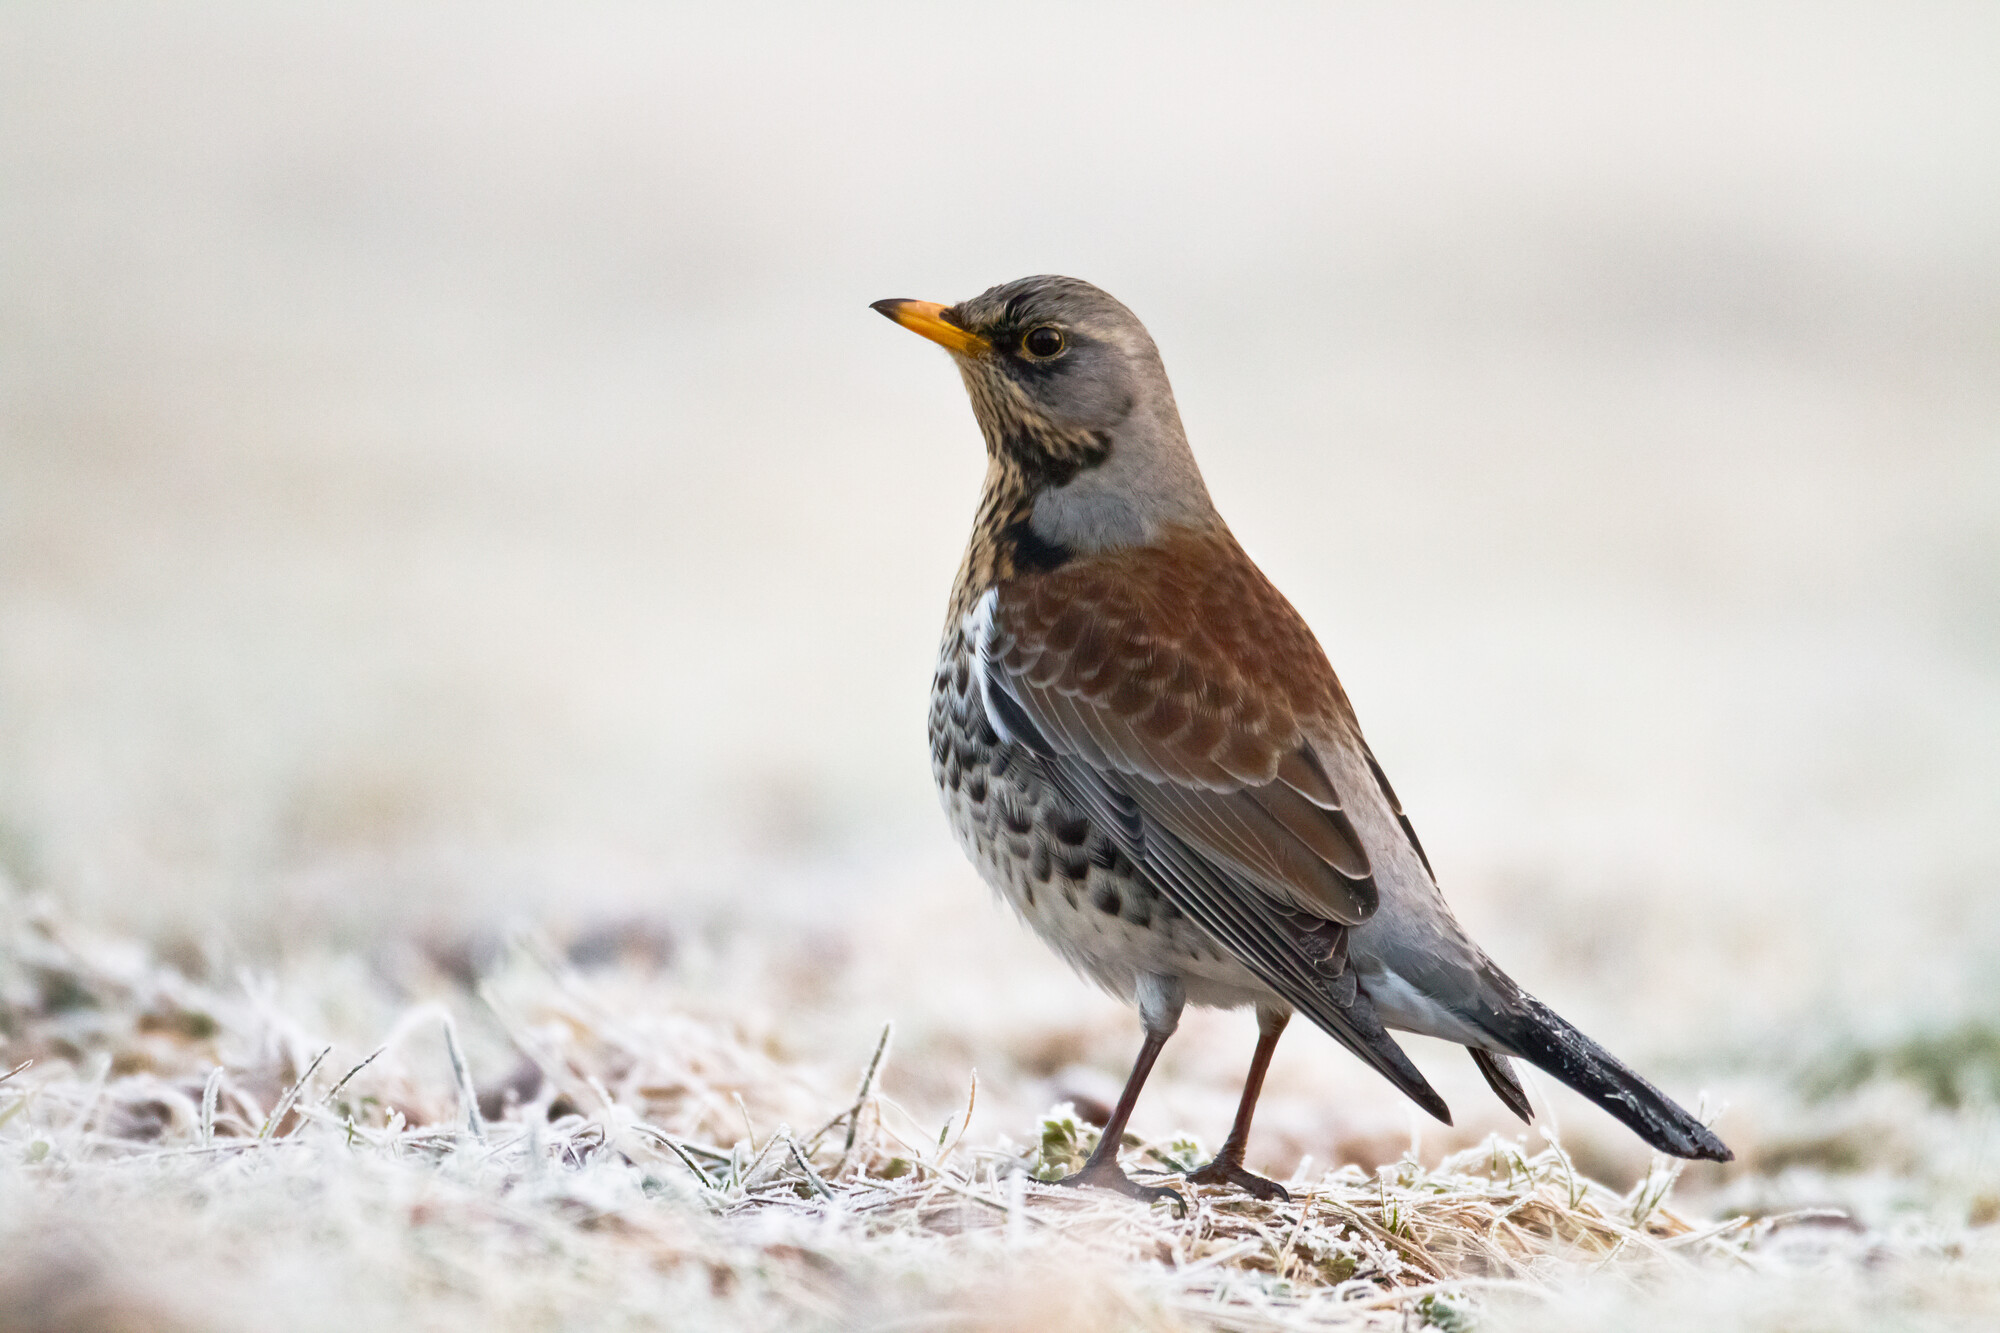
x: 177, y: 1153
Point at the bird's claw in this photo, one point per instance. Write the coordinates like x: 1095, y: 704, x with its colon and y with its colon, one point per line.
x: 1222, y: 1171
x: 1111, y: 1176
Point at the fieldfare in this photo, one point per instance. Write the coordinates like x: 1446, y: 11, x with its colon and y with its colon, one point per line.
x: 1144, y: 750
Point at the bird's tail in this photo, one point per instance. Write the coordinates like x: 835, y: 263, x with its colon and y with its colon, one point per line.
x: 1544, y: 1039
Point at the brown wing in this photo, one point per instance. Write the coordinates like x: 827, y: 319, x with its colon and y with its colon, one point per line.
x: 1181, y: 670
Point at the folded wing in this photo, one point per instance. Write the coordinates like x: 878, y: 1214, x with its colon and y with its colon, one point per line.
x: 1175, y: 695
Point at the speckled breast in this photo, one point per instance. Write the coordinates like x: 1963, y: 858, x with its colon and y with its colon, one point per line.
x: 1065, y: 877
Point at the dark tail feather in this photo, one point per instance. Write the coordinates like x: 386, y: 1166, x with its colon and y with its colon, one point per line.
x: 1359, y: 1028
x: 1540, y: 1036
x: 1500, y: 1077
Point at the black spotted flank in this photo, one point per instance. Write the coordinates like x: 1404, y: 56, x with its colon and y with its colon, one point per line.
x: 1069, y: 830
x: 1019, y: 822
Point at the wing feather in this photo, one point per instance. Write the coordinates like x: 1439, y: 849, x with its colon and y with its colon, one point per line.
x: 1172, y: 694
x: 1268, y: 941
x: 1134, y: 664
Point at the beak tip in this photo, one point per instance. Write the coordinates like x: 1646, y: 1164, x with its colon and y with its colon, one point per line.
x: 931, y: 320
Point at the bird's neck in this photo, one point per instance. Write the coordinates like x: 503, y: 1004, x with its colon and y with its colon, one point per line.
x: 1003, y: 544
x: 1026, y: 526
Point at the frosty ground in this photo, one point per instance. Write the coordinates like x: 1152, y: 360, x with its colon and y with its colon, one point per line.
x: 558, y: 1141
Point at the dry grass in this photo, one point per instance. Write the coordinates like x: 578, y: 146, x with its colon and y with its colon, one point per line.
x: 179, y: 1152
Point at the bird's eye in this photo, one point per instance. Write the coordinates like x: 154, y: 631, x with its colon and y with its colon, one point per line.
x: 1044, y: 342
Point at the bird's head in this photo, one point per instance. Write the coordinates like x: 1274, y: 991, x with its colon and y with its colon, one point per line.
x: 1074, y: 404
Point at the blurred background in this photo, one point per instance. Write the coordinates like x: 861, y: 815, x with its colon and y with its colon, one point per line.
x: 450, y: 479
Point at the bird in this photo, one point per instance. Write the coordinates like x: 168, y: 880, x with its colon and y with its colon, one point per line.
x: 1145, y: 752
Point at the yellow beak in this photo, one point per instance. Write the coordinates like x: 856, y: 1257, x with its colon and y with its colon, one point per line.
x: 927, y: 318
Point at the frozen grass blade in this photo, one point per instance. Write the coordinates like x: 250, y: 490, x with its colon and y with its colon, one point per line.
x: 467, y: 1098
x: 348, y: 1077
x: 756, y: 1164
x: 673, y: 1146
x: 852, y: 1115
x: 76, y: 1138
x: 971, y: 1100
x: 291, y: 1096
x: 812, y: 1177
x: 210, y: 1091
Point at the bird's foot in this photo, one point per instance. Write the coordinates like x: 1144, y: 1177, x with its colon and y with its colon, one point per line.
x: 1225, y: 1171
x: 1108, y: 1175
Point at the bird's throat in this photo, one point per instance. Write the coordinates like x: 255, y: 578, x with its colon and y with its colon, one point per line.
x: 1005, y: 543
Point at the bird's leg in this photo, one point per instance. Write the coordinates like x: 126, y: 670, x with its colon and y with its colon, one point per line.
x: 1160, y: 1009
x: 1102, y: 1170
x: 1227, y: 1168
